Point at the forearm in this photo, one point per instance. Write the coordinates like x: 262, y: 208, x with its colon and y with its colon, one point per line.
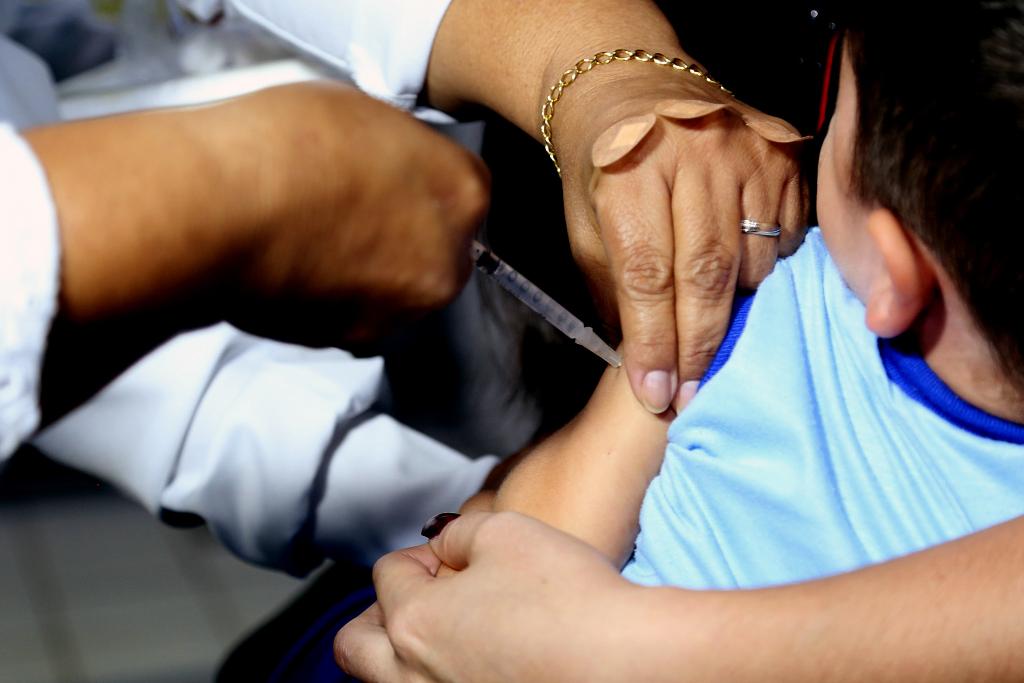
x: 951, y: 613
x: 163, y: 217
x: 590, y: 478
x: 506, y: 54
x: 149, y: 205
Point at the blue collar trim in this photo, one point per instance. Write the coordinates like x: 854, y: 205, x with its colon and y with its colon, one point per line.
x: 910, y: 373
x: 740, y: 310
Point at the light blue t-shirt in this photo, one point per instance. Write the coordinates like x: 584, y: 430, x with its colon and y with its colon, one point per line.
x: 816, y: 448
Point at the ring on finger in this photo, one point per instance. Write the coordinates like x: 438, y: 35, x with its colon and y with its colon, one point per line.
x: 751, y: 227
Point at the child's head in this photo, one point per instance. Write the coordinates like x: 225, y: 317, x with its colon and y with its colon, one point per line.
x: 922, y: 171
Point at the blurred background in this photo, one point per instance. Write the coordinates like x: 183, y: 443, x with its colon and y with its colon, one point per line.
x: 95, y: 590
x: 92, y: 588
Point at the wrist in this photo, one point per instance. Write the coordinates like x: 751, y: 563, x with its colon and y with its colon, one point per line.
x: 564, y: 58
x: 638, y: 636
x: 672, y: 630
x: 610, y: 86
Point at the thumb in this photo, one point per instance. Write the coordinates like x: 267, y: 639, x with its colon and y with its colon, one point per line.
x: 460, y: 541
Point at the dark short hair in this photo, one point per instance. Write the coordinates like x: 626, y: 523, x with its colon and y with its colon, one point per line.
x: 940, y: 143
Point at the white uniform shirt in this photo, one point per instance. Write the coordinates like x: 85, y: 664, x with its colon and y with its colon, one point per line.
x: 28, y: 245
x: 383, y: 46
x: 278, y: 448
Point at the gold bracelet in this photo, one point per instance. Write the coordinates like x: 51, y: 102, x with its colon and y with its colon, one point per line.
x: 547, y: 112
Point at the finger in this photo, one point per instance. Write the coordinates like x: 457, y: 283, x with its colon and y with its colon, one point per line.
x: 758, y: 253
x: 363, y: 650
x: 460, y: 541
x: 793, y: 215
x: 706, y: 217
x: 398, y: 575
x: 635, y: 219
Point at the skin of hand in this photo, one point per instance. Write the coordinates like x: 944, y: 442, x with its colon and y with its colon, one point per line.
x: 658, y: 234
x: 308, y: 213
x: 405, y: 579
x: 530, y: 603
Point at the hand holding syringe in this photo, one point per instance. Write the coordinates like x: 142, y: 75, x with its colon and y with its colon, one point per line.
x: 531, y: 295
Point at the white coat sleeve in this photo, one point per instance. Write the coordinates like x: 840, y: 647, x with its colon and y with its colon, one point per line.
x: 29, y: 256
x: 382, y: 45
x: 275, y: 446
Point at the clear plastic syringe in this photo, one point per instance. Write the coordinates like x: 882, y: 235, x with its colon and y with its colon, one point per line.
x: 531, y: 295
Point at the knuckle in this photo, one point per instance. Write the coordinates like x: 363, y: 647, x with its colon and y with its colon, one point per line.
x: 651, y: 343
x: 498, y: 528
x: 791, y: 239
x: 495, y: 527
x: 758, y: 262
x: 752, y: 276
x: 437, y: 281
x: 343, y: 654
x: 645, y: 273
x: 379, y: 568
x: 697, y: 355
x: 403, y: 629
x: 461, y: 200
x: 710, y: 273
x: 446, y: 285
x: 475, y: 193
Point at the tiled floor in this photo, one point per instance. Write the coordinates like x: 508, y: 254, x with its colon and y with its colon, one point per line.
x: 94, y: 590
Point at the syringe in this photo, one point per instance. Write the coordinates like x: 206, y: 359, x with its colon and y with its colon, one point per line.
x: 531, y: 295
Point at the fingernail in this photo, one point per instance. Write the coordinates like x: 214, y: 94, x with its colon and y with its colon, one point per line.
x: 436, y: 524
x: 658, y: 390
x: 686, y: 393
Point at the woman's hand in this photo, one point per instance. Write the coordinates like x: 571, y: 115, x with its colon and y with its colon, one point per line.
x: 657, y: 234
x: 657, y: 231
x: 528, y: 604
x: 533, y: 604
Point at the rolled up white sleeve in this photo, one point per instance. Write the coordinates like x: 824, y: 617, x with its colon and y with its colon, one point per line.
x: 29, y: 256
x: 382, y: 45
x: 276, y: 447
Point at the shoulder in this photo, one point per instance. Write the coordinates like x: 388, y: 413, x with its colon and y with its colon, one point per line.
x: 794, y: 294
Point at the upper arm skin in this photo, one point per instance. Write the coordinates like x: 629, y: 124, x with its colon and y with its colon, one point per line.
x: 589, y: 479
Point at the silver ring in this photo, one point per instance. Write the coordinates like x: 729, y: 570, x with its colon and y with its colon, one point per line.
x: 751, y: 227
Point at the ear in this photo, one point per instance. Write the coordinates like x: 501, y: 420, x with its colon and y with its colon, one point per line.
x: 903, y: 283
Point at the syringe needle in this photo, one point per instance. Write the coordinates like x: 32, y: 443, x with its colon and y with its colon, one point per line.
x: 531, y: 295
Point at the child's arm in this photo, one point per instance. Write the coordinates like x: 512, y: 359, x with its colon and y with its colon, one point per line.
x: 590, y: 477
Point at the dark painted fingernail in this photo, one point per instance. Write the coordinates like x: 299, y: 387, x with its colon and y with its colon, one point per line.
x: 437, y: 523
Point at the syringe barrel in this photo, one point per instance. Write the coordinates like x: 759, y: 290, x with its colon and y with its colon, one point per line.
x: 535, y: 298
x: 541, y: 303
x: 527, y: 292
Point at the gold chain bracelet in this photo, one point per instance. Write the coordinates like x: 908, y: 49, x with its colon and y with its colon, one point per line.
x: 547, y: 112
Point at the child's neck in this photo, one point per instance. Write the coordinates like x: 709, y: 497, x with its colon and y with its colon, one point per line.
x: 956, y: 351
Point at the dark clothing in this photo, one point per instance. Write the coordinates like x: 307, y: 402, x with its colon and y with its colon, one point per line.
x: 770, y: 54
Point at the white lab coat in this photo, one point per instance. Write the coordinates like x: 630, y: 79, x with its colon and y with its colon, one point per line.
x: 283, y: 451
